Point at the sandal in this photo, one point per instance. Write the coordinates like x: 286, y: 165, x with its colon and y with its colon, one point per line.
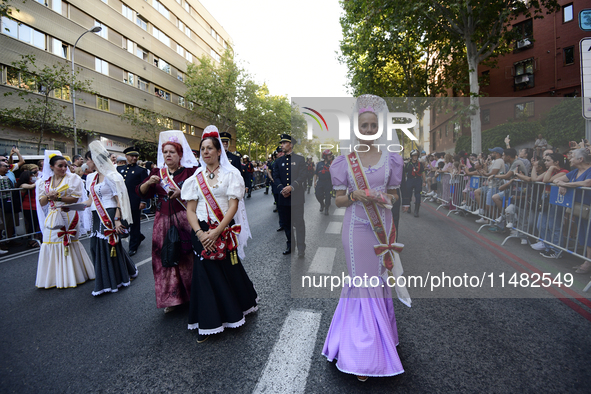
x: 33, y: 244
x: 362, y: 378
x: 584, y: 270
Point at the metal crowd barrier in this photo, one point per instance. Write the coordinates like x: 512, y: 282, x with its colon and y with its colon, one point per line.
x: 560, y: 223
x: 15, y: 221
x: 258, y: 179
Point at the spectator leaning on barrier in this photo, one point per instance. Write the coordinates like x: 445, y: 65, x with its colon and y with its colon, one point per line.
x: 7, y: 223
x: 12, y: 167
x: 497, y: 167
x: 580, y: 176
x: 26, y: 181
x: 515, y: 166
x: 540, y: 145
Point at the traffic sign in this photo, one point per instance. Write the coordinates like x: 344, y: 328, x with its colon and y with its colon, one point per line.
x: 585, y: 51
x: 585, y: 19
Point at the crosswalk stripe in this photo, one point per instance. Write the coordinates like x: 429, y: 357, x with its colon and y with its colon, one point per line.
x: 289, y: 363
x: 339, y: 212
x: 143, y: 261
x: 323, y: 260
x: 334, y: 228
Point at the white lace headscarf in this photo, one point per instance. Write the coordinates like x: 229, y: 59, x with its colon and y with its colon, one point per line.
x: 42, y: 211
x: 105, y: 166
x: 225, y: 167
x: 188, y: 160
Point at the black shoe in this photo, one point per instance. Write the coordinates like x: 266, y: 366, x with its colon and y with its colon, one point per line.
x: 143, y: 237
x: 416, y: 211
x: 202, y: 338
x: 280, y: 229
x: 275, y: 210
x: 321, y: 207
x: 248, y: 196
x: 326, y: 211
x: 287, y: 251
x: 132, y: 252
x: 266, y: 192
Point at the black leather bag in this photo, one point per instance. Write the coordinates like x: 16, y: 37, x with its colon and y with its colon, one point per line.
x: 170, y: 254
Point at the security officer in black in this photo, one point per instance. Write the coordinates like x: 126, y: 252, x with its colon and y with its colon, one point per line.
x: 322, y: 181
x: 290, y: 175
x: 233, y: 158
x: 134, y: 175
x: 414, y: 172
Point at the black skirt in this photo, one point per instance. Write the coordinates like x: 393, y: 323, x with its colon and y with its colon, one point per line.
x: 221, y: 293
x: 111, y: 272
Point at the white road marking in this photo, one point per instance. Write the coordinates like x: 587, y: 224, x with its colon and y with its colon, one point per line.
x: 289, y: 363
x: 323, y: 260
x: 339, y: 212
x: 334, y: 228
x: 143, y: 262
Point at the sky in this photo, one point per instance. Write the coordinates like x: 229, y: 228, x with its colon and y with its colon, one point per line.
x: 289, y: 45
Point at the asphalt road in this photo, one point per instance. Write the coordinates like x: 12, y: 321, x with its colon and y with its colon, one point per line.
x: 465, y: 340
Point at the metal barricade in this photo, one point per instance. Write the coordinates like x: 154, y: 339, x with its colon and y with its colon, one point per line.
x: 18, y: 215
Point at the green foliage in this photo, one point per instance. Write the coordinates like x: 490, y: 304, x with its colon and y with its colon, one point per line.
x: 564, y: 123
x: 147, y: 127
x: 6, y: 7
x: 217, y: 90
x: 40, y: 113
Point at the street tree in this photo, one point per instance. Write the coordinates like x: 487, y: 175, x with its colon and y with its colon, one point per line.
x: 8, y: 6
x: 479, y: 29
x: 216, y: 90
x: 39, y: 88
x: 147, y: 126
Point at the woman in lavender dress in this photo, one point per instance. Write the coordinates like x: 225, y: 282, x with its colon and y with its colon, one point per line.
x: 363, y: 335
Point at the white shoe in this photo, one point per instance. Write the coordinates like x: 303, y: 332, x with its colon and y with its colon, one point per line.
x: 523, y: 241
x: 478, y: 212
x: 430, y: 194
x: 509, y: 225
x: 431, y: 199
x: 538, y: 246
x: 482, y: 221
x: 2, y: 251
x: 499, y: 219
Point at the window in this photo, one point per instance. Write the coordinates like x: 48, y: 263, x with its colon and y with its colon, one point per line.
x: 163, y: 94
x: 213, y: 34
x: 187, y: 7
x: 9, y: 27
x: 485, y: 78
x: 128, y: 109
x: 525, y: 30
x: 142, y: 84
x: 567, y: 13
x: 524, y: 74
x: 161, y: 36
x: 56, y: 5
x: 181, y: 26
x: 524, y: 110
x: 141, y: 53
x: 62, y: 93
x: 191, y: 105
x: 180, y: 50
x: 129, y: 45
x: 184, y: 128
x: 58, y: 48
x: 181, y: 101
x: 569, y: 55
x: 161, y: 64
x: 189, y: 57
x: 58, y: 145
x: 180, y: 76
x: 101, y: 66
x: 12, y: 77
x: 456, y: 130
x: 105, y: 1
x: 193, y: 130
x: 141, y: 22
x: 447, y: 128
x: 129, y: 80
x: 23, y: 33
x: 102, y: 103
x: 127, y: 12
x: 225, y: 45
x: 485, y: 116
x: 104, y: 30
x: 215, y: 55
x: 161, y: 9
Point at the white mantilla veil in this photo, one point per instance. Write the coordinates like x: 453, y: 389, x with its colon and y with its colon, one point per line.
x: 378, y: 106
x: 188, y: 160
x: 225, y: 167
x: 85, y: 219
x: 105, y: 166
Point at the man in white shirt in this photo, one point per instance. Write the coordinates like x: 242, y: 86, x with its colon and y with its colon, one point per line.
x: 496, y: 167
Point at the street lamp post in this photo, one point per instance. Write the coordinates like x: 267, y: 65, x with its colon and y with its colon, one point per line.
x: 95, y: 29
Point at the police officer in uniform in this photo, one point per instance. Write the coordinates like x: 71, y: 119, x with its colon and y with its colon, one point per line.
x: 414, y: 171
x: 233, y: 158
x: 290, y: 175
x: 322, y: 181
x: 248, y: 174
x: 134, y: 175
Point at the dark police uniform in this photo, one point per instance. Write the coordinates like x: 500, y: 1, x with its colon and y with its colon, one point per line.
x: 134, y: 175
x: 413, y: 172
x: 323, y: 185
x: 290, y: 170
x: 233, y: 158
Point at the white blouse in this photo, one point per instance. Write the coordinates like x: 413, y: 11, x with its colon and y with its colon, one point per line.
x: 230, y: 185
x: 106, y: 191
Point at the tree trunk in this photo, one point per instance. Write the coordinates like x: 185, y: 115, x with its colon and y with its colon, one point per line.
x: 475, y: 124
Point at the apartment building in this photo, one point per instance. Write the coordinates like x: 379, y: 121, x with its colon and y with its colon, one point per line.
x: 138, y: 60
x: 544, y: 63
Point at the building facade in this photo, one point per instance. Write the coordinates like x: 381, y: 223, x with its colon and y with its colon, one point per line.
x: 545, y: 62
x: 138, y: 60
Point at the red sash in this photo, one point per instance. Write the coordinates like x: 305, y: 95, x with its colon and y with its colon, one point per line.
x: 110, y: 231
x: 229, y: 233
x: 63, y: 232
x: 47, y: 186
x: 386, y: 246
x: 170, y: 182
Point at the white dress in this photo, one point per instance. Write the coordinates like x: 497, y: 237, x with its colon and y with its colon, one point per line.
x: 56, y: 268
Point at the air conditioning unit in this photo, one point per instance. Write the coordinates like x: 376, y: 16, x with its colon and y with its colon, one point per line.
x: 521, y: 79
x: 523, y: 43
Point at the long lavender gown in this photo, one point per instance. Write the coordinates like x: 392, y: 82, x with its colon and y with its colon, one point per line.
x: 363, y: 335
